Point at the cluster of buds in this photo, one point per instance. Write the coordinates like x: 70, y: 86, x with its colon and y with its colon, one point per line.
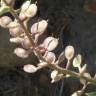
x: 30, y: 43
x: 18, y: 36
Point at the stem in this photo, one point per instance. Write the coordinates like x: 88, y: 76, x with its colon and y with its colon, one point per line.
x: 68, y: 64
x: 83, y: 89
x: 39, y: 55
x: 72, y: 73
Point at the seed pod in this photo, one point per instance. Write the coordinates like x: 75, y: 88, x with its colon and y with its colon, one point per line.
x: 50, y: 43
x: 29, y: 68
x: 16, y: 31
x: 31, y: 11
x: 20, y: 52
x: 69, y: 52
x: 4, y: 21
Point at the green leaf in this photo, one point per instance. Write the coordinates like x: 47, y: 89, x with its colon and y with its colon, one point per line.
x: 4, y: 9
x: 91, y: 94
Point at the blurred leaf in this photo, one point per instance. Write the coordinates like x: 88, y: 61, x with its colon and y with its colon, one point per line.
x: 91, y: 94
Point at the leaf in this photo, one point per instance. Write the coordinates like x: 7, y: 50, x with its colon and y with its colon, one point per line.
x: 91, y: 94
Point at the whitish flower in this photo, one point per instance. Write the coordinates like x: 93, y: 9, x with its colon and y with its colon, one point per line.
x: 29, y: 68
x: 69, y: 52
x: 4, y: 21
x: 50, y: 43
x: 55, y: 76
x: 22, y: 53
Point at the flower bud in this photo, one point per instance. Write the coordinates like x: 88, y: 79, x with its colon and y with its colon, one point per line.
x: 29, y: 68
x: 20, y: 52
x: 22, y: 16
x: 25, y: 6
x: 26, y: 43
x: 4, y: 21
x: 31, y: 11
x: 69, y: 52
x: 50, y: 43
x: 39, y: 28
x: 55, y: 76
x: 50, y: 57
x: 16, y: 31
x: 16, y: 40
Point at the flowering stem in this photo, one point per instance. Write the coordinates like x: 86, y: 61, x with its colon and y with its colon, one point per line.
x: 52, y: 66
x: 72, y: 73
